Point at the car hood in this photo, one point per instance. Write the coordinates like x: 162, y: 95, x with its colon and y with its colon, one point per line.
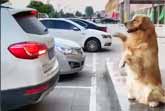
x: 93, y: 31
x: 66, y: 43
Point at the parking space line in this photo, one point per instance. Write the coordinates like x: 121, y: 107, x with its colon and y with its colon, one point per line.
x: 73, y: 87
x: 94, y: 63
x: 93, y: 87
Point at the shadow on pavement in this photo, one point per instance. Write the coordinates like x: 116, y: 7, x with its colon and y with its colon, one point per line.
x: 69, y: 77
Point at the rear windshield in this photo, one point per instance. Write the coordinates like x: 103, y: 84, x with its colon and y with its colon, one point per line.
x: 30, y: 24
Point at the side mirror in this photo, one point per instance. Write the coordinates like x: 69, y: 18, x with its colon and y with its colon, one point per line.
x: 76, y: 29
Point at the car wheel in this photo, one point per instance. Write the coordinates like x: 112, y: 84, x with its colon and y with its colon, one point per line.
x: 92, y: 45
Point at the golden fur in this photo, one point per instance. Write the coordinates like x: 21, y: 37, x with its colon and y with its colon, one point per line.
x: 141, y: 58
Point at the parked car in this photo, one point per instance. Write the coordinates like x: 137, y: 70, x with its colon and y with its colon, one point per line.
x: 89, y: 24
x: 42, y: 15
x: 109, y: 21
x: 90, y: 39
x: 29, y: 67
x: 70, y: 56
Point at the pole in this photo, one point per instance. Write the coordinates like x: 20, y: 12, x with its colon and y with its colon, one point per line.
x: 126, y: 10
x: 48, y: 1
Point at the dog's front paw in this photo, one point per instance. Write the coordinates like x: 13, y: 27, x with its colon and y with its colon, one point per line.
x: 153, y: 104
x: 130, y: 97
x: 121, y: 36
x: 121, y: 64
x: 118, y: 34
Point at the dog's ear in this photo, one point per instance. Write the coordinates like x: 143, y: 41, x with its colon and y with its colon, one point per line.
x: 146, y: 24
x: 121, y: 36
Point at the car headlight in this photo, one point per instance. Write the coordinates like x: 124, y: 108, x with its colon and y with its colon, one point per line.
x: 75, y: 52
x: 67, y: 51
x: 64, y: 50
x: 106, y: 36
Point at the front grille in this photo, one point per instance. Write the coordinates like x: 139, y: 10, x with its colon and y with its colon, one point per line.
x: 82, y: 63
x: 107, y: 44
x: 74, y: 64
x: 79, y: 51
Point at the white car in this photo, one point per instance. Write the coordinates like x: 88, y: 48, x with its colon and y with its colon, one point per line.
x: 29, y: 67
x: 89, y: 39
x: 70, y: 56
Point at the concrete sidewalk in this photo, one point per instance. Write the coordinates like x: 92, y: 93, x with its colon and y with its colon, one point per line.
x: 118, y: 78
x: 160, y: 30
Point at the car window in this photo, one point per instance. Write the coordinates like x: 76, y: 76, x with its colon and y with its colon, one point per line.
x: 91, y: 25
x: 81, y: 23
x: 64, y: 25
x: 58, y: 24
x: 48, y: 23
x: 30, y: 24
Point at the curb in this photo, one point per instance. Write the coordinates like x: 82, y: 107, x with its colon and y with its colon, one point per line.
x: 114, y: 102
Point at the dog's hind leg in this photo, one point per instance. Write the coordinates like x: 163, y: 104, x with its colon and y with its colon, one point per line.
x: 153, y: 104
x: 162, y: 99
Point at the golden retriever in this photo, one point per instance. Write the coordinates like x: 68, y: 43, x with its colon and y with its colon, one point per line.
x: 140, y: 56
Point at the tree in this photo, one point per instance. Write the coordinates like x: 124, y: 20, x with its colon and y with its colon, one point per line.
x: 69, y: 15
x: 61, y: 13
x: 78, y: 14
x: 42, y: 8
x: 89, y: 11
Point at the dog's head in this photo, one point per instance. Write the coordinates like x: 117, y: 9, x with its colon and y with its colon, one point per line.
x: 139, y: 22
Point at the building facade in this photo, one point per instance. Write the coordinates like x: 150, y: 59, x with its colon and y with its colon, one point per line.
x: 155, y: 9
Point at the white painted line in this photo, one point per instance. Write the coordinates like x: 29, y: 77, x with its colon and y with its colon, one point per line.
x: 93, y: 95
x: 94, y: 63
x: 92, y: 104
x: 73, y: 87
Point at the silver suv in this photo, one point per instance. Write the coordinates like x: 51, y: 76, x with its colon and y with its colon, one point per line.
x: 29, y: 68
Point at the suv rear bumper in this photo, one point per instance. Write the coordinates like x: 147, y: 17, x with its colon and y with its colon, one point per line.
x: 15, y: 98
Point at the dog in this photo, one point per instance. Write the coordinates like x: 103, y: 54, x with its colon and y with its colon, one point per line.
x: 140, y: 58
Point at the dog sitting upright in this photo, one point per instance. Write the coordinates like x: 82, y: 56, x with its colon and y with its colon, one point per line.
x: 141, y: 59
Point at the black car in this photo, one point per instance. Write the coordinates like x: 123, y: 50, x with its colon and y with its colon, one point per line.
x: 109, y: 21
x: 89, y: 24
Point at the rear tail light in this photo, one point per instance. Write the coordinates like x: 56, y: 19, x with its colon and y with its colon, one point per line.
x: 28, y: 50
x: 26, y: 13
x: 36, y: 90
x: 34, y: 12
x: 104, y: 29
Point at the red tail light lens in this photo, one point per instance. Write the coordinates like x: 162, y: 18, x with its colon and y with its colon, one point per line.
x: 104, y: 29
x: 28, y: 50
x: 36, y: 90
x: 34, y: 12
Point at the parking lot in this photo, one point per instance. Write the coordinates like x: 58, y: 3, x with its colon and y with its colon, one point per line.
x: 59, y: 60
x: 84, y: 91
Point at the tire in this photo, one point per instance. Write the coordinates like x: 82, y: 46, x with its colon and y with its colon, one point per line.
x: 92, y: 45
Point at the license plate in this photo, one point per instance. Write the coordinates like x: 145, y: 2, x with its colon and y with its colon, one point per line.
x: 51, y: 53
